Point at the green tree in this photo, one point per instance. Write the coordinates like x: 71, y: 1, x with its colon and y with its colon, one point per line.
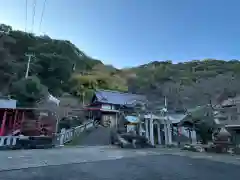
x: 53, y: 70
x: 28, y: 91
x: 5, y: 28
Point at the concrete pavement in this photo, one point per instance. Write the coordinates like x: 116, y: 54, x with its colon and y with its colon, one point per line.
x: 95, y: 159
x: 10, y: 160
x: 140, y: 167
x: 35, y: 158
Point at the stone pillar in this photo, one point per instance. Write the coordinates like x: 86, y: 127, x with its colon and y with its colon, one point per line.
x: 169, y: 133
x: 179, y: 131
x: 62, y: 136
x: 151, y: 131
x: 146, y: 127
x: 159, y: 133
x: 194, y: 136
x: 141, y: 129
x: 190, y: 135
x: 166, y: 133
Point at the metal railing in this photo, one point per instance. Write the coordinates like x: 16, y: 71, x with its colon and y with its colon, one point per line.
x: 67, y: 135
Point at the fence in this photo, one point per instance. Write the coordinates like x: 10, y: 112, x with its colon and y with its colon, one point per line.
x: 67, y: 135
x: 13, y: 142
x: 8, y: 141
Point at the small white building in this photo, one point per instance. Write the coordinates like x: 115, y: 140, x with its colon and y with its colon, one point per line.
x: 8, y: 103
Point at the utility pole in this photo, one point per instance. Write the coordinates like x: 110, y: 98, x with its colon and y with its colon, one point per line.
x: 28, y: 64
x: 83, y: 95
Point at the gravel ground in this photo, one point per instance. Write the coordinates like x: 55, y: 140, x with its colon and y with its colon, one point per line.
x: 152, y: 167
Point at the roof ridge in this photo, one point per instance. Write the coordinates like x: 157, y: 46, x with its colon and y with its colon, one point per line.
x: 117, y: 97
x: 102, y: 96
x: 115, y: 91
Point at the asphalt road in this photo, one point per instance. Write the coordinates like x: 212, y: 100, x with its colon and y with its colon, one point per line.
x: 94, y: 161
x: 99, y: 136
x: 152, y: 167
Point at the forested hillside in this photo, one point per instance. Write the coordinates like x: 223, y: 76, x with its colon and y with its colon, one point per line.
x: 187, y: 84
x: 59, y: 66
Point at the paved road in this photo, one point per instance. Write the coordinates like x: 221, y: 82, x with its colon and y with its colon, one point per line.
x: 154, y: 167
x: 106, y: 162
x: 93, y: 161
x: 99, y: 136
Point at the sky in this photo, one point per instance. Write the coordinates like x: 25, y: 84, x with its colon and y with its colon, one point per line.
x: 128, y: 33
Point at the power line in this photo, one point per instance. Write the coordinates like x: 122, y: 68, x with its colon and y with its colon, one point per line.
x: 26, y: 4
x: 43, y: 10
x: 30, y: 56
x: 33, y: 13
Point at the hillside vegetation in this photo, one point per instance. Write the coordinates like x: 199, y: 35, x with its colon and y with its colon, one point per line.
x: 59, y: 67
x: 187, y: 84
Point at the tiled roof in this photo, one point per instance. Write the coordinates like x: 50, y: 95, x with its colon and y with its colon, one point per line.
x: 231, y: 101
x: 116, y: 97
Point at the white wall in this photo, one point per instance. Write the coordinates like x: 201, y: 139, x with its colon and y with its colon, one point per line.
x: 5, y: 103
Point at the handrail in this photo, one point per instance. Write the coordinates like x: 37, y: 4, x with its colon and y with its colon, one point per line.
x: 67, y: 135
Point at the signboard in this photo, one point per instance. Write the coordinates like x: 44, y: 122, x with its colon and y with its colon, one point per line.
x: 106, y: 106
x: 43, y: 114
x: 131, y: 128
x: 132, y: 119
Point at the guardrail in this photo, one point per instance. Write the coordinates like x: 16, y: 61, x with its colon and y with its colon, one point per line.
x: 67, y: 135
